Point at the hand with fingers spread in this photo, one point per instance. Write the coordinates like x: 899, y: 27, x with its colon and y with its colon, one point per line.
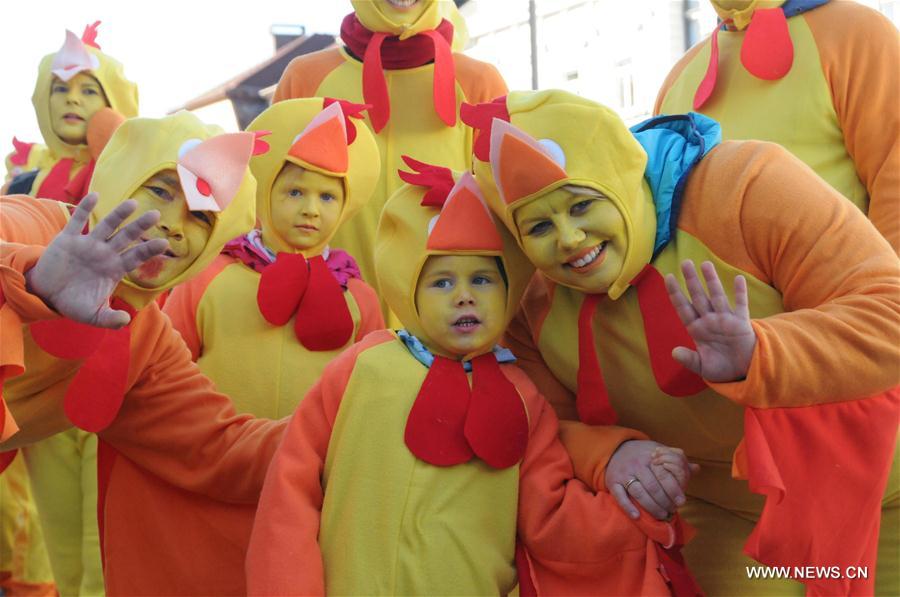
x: 651, y: 474
x: 724, y: 337
x: 78, y: 272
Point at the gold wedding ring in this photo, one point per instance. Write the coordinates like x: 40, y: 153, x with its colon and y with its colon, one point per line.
x: 629, y: 482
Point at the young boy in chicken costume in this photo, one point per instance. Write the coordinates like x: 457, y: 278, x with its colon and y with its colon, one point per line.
x: 162, y: 427
x: 80, y: 97
x: 819, y: 77
x: 397, y: 57
x: 415, y: 462
x: 279, y: 296
x: 605, y: 213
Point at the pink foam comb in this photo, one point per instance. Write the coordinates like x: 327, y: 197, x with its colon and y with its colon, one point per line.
x: 72, y: 58
x: 211, y: 171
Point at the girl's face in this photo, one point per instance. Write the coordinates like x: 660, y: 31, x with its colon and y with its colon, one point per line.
x: 575, y: 240
x: 306, y: 206
x: 187, y: 231
x: 72, y: 104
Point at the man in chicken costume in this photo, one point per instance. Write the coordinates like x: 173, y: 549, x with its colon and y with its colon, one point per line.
x: 397, y: 58
x: 421, y: 455
x: 280, y: 296
x: 168, y: 440
x: 605, y: 213
x: 819, y: 77
x: 80, y: 97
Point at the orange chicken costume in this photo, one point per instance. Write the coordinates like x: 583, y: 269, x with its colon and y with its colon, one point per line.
x: 414, y: 83
x: 171, y: 448
x: 285, y: 333
x: 819, y: 78
x: 824, y: 296
x: 395, y: 477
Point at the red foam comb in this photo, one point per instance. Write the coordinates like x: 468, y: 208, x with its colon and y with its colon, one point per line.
x: 437, y: 179
x: 260, y: 146
x: 89, y: 37
x: 20, y: 156
x: 480, y: 117
x: 350, y: 110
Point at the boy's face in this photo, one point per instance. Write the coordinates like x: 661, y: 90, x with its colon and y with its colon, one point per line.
x: 305, y: 206
x: 187, y: 231
x: 576, y: 240
x: 404, y: 12
x: 461, y: 300
x: 72, y: 104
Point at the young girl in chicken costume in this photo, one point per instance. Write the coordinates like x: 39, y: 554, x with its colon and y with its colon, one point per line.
x: 605, y: 213
x: 300, y: 302
x: 415, y: 462
x: 819, y: 77
x: 170, y: 446
x: 80, y: 97
x: 397, y: 57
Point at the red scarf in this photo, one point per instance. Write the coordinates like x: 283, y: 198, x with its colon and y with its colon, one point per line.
x: 450, y: 423
x: 95, y: 394
x: 292, y: 286
x: 663, y: 331
x: 58, y: 186
x: 380, y: 50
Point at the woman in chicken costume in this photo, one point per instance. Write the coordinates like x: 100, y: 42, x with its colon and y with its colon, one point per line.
x: 604, y: 213
x: 80, y: 97
x: 397, y: 58
x: 818, y: 77
x: 163, y: 429
x: 397, y: 477
x: 279, y: 296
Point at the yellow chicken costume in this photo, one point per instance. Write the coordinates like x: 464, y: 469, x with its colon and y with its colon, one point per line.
x: 402, y: 65
x: 823, y: 291
x: 66, y: 172
x: 241, y: 305
x: 171, y: 448
x: 818, y: 77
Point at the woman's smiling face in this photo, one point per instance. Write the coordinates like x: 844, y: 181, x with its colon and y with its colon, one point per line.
x: 575, y: 236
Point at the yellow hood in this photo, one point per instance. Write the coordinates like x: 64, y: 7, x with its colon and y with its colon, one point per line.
x: 287, y: 120
x: 370, y: 15
x: 142, y: 147
x: 740, y: 11
x: 406, y: 237
x: 557, y: 138
x: 121, y: 93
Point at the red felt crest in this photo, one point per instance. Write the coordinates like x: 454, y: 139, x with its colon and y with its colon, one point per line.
x: 480, y: 117
x: 437, y: 179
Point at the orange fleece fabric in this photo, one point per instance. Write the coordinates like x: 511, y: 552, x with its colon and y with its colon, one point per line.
x: 174, y: 435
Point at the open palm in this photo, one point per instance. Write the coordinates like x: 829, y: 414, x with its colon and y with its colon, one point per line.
x: 724, y: 337
x: 78, y: 272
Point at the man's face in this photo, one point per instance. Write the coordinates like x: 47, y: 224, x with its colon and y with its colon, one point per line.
x: 72, y: 104
x: 306, y: 206
x: 404, y: 12
x: 461, y: 301
x: 187, y: 231
x: 576, y: 240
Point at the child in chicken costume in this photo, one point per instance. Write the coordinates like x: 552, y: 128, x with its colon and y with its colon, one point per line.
x: 818, y: 77
x: 415, y: 462
x: 279, y: 296
x: 80, y: 97
x: 400, y: 62
x: 167, y: 440
x: 606, y: 212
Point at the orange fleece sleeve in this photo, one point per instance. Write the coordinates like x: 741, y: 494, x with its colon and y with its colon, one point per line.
x: 284, y: 556
x: 566, y: 528
x: 305, y: 74
x: 859, y: 49
x: 181, y: 305
x: 175, y: 425
x: 370, y: 317
x: 839, y: 338
x: 481, y: 82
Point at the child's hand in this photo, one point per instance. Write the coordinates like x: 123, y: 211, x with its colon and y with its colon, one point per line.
x: 724, y: 337
x: 78, y: 272
x: 651, y: 474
